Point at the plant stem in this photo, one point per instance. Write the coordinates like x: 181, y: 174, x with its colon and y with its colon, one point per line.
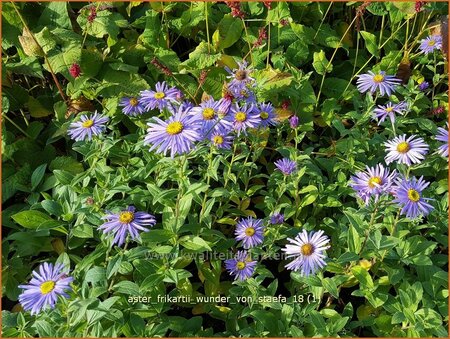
x: 372, y: 220
x: 45, y: 54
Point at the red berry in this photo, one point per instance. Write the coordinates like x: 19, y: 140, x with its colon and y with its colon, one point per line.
x: 75, y: 70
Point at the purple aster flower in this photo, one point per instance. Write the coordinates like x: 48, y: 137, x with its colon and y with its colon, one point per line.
x: 267, y: 114
x: 87, y: 127
x: 47, y: 283
x: 244, y: 117
x: 408, y: 194
x: 159, y: 98
x: 373, y: 182
x: 177, y: 134
x: 293, y: 121
x: 242, y: 266
x: 244, y: 94
x: 406, y: 151
x: 286, y: 166
x: 442, y: 136
x: 250, y: 231
x: 240, y: 77
x: 276, y: 218
x: 308, y: 251
x: 430, y: 44
x: 424, y: 85
x: 127, y: 222
x: 371, y: 82
x: 208, y: 114
x: 132, y: 106
x: 224, y: 107
x: 382, y: 112
x: 186, y: 105
x: 221, y: 139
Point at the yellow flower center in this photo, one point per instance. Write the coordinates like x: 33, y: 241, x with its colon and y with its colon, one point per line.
x: 413, y: 195
x: 126, y: 217
x: 264, y: 115
x: 249, y: 231
x: 431, y: 43
x: 403, y: 147
x: 174, y: 128
x: 378, y: 78
x: 218, y: 139
x: 159, y: 95
x: 208, y: 113
x: 244, y: 93
x: 134, y: 102
x: 241, y: 75
x: 87, y: 123
x: 240, y: 265
x: 389, y: 109
x: 374, y: 181
x: 47, y: 287
x: 307, y: 249
x: 240, y: 116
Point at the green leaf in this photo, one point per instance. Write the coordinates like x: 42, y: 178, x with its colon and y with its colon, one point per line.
x: 371, y: 43
x: 52, y: 207
x: 267, y: 319
x: 91, y: 62
x: 320, y: 63
x: 200, y: 58
x: 363, y: 277
x: 37, y: 176
x: 127, y: 287
x: 228, y: 32
x: 96, y: 274
x: 35, y: 220
x: 194, y: 243
x: 67, y: 164
x: 55, y: 14
x: 83, y: 231
x: 37, y: 110
x: 297, y: 53
x: 331, y: 287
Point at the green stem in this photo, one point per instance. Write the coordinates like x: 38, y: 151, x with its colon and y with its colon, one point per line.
x: 16, y: 126
x: 207, y: 27
x: 208, y: 178
x: 372, y: 220
x: 45, y: 54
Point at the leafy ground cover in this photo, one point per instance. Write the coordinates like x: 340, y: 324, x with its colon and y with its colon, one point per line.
x: 224, y: 169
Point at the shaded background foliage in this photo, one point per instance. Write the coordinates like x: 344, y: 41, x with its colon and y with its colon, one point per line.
x: 386, y: 278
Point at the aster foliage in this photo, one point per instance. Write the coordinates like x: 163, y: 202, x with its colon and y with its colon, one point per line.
x: 224, y: 169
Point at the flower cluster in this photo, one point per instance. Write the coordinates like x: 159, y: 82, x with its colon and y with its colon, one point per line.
x: 407, y: 150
